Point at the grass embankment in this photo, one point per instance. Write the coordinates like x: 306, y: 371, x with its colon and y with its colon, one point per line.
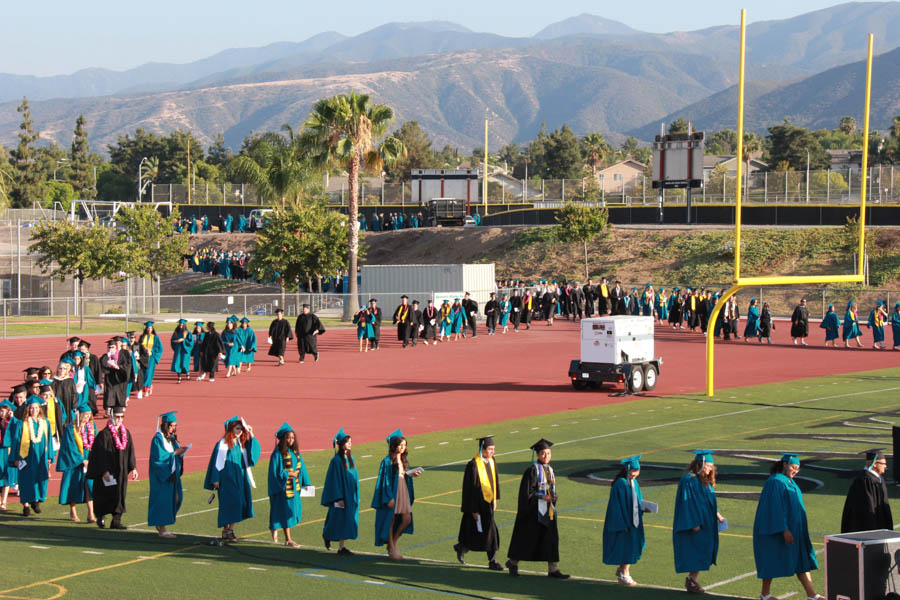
x: 745, y: 425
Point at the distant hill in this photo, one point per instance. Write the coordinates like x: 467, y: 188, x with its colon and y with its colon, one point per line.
x: 816, y: 102
x: 584, y: 24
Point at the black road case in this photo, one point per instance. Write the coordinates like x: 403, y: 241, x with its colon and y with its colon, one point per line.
x: 863, y: 565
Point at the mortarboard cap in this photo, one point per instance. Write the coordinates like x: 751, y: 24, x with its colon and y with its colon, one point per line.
x: 632, y: 463
x: 118, y: 410
x: 31, y: 371
x: 233, y: 318
x: 873, y: 454
x: 182, y: 321
x: 76, y: 354
x: 7, y: 404
x: 148, y: 324
x: 124, y: 340
x: 283, y: 430
x: 198, y: 324
x: 704, y: 456
x: 67, y: 360
x: 168, y: 417
x: 484, y: 442
x: 371, y: 300
x: 32, y: 399
x: 245, y: 320
x: 45, y: 388
x: 72, y: 340
x: 790, y: 458
x: 279, y: 310
x: 45, y: 382
x: 541, y: 444
x: 393, y: 435
x: 404, y: 296
x: 339, y: 437
x: 18, y: 389
x: 233, y: 420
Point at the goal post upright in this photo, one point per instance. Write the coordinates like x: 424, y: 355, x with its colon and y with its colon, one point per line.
x: 741, y: 282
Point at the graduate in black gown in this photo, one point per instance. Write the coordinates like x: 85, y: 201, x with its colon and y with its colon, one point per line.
x: 402, y: 320
x: 279, y: 334
x: 470, y: 306
x: 800, y: 323
x: 416, y: 323
x: 515, y: 309
x: 64, y: 386
x: 375, y: 311
x: 430, y: 323
x: 117, y: 371
x: 110, y: 465
x: 535, y: 535
x: 308, y: 329
x: 480, y: 492
x: 211, y: 350
x: 866, y: 507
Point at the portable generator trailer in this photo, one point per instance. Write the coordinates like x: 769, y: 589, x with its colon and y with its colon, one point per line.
x: 616, y: 349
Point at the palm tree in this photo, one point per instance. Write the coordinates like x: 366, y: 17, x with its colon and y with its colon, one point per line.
x: 750, y: 147
x: 344, y: 129
x: 594, y: 148
x: 276, y: 169
x: 848, y: 125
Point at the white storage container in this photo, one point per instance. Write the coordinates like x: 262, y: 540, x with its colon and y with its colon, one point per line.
x: 617, y: 339
x: 387, y: 283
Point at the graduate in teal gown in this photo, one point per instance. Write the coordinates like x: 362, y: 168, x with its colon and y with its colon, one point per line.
x: 394, y: 496
x: 74, y: 449
x: 34, y: 448
x: 7, y: 421
x: 877, y: 319
x: 831, y: 325
x: 781, y: 544
x: 232, y: 347
x: 623, y: 528
x: 182, y: 343
x: 229, y: 474
x: 895, y: 325
x: 153, y: 345
x: 751, y: 329
x: 166, y: 468
x: 851, y: 330
x: 695, y: 528
x: 287, y: 474
x: 247, y: 342
x: 341, y: 495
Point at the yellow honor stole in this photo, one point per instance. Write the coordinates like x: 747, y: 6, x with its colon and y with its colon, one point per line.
x: 148, y: 342
x: 79, y: 442
x: 401, y: 314
x: 604, y: 291
x: 487, y: 485
x: 25, y: 444
x: 289, y: 486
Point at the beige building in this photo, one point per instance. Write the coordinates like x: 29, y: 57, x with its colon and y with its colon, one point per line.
x: 624, y: 173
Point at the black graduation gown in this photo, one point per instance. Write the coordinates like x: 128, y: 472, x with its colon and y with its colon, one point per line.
x: 415, y: 323
x: 800, y: 322
x: 305, y: 327
x: 210, y: 349
x: 471, y: 308
x: 105, y: 457
x: 376, y: 326
x: 867, y: 507
x: 115, y: 381
x: 515, y: 315
x: 617, y: 296
x: 532, y: 539
x: 143, y: 361
x: 428, y: 315
x: 473, y: 502
x: 403, y: 324
x: 280, y: 332
x: 588, y: 292
x: 65, y: 392
x: 492, y: 313
x: 765, y: 323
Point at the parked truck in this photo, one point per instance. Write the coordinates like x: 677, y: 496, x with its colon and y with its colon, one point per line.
x: 446, y: 212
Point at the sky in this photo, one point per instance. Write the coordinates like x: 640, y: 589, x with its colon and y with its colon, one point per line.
x: 52, y: 37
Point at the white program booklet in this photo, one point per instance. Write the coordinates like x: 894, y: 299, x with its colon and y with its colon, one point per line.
x: 111, y: 481
x: 650, y: 507
x: 308, y: 491
x: 723, y: 525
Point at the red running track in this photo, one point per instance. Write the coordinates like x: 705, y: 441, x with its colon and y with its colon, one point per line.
x: 428, y: 388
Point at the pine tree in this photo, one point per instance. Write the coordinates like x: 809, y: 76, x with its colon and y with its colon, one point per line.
x: 28, y: 184
x: 79, y: 161
x: 219, y: 154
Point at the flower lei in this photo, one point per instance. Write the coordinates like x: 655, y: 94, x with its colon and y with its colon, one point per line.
x: 87, y: 435
x: 120, y: 442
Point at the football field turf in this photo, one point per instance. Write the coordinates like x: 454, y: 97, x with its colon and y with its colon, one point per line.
x: 828, y: 420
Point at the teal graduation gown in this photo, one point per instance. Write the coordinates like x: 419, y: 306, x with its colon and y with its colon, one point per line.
x: 166, y: 469
x: 385, y: 491
x: 232, y: 348
x: 181, y: 351
x: 781, y: 508
x: 233, y: 476
x: 34, y: 476
x: 695, y: 506
x: 341, y: 483
x: 623, y: 543
x: 246, y: 340
x: 9, y: 474
x: 75, y: 487
x: 851, y: 327
x: 831, y: 325
x: 751, y: 329
x: 285, y: 512
x: 153, y: 360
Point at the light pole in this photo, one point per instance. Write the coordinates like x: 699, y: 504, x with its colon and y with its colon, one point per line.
x: 807, y: 175
x: 140, y: 172
x: 59, y: 160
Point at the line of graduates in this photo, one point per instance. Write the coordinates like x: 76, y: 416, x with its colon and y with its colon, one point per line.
x: 223, y: 263
x: 227, y: 224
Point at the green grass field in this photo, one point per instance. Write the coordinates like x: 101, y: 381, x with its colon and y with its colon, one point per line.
x: 48, y: 557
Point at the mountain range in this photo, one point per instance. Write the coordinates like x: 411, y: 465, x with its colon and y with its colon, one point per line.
x: 590, y: 72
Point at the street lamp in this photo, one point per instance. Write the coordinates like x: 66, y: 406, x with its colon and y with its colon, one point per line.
x: 140, y: 172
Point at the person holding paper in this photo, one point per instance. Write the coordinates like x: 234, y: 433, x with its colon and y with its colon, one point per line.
x: 211, y: 351
x: 111, y: 464
x: 341, y: 495
x: 623, y: 528
x: 287, y: 474
x: 394, y: 496
x: 229, y: 474
x: 480, y: 492
x: 182, y: 343
x: 247, y: 341
x: 781, y: 544
x: 695, y: 531
x: 117, y: 369
x: 535, y: 534
x: 470, y: 308
x: 430, y: 325
x: 32, y: 454
x: 74, y: 451
x: 166, y: 468
x: 279, y: 334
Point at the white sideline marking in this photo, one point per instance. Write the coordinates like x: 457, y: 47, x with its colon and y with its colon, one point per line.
x: 418, y: 447
x: 443, y: 443
x: 369, y: 581
x: 201, y: 562
x: 732, y: 580
x: 40, y: 547
x: 256, y: 569
x: 90, y: 552
x: 314, y: 575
